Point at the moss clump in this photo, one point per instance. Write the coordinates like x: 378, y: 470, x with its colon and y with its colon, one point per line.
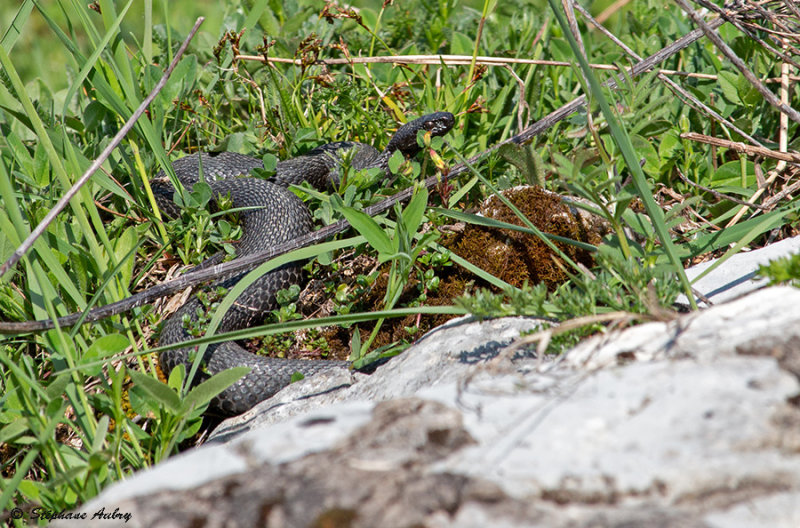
x: 517, y: 257
x: 510, y: 255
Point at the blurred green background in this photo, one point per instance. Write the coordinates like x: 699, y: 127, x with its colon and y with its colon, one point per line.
x: 45, y: 57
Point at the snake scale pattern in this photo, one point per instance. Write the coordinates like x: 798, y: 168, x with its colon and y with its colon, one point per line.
x: 277, y: 216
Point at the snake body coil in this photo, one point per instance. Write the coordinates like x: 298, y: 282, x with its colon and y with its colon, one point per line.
x: 276, y: 216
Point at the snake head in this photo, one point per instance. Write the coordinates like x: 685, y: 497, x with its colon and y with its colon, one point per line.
x: 405, y: 139
x: 438, y: 123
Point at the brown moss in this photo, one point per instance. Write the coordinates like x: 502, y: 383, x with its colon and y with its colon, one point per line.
x: 394, y: 329
x: 517, y: 257
x: 510, y: 255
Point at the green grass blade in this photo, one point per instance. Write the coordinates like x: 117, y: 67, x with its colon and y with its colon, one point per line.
x: 158, y: 390
x: 498, y: 224
x: 252, y: 276
x: 89, y: 64
x: 54, y: 158
x: 415, y: 210
x: 478, y: 272
x: 207, y: 390
x: 626, y: 147
x: 287, y: 326
x: 707, y: 242
x: 15, y: 28
x: 369, y: 229
x: 763, y: 226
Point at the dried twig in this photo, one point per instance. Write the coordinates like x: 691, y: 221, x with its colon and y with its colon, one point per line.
x: 717, y: 194
x: 569, y: 10
x: 543, y: 337
x: 744, y: 148
x: 726, y: 50
x: 676, y: 88
x: 464, y: 60
x: 250, y: 261
x: 637, y: 69
x: 62, y: 203
x: 782, y: 194
x: 782, y: 147
x: 734, y: 20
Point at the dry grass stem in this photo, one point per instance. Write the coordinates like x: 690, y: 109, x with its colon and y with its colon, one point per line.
x: 743, y: 148
x: 678, y: 90
x: 462, y: 60
x: 740, y: 65
x: 117, y: 139
x: 717, y: 194
x: 544, y: 336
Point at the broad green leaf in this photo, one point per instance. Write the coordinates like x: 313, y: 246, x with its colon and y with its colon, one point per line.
x: 355, y: 344
x: 728, y: 82
x: 730, y: 174
x: 123, y: 250
x: 205, y: 391
x: 270, y: 162
x: 305, y: 134
x: 461, y: 44
x: 369, y: 229
x: 645, y: 150
x: 669, y: 146
x: 176, y: 377
x: 369, y: 16
x: 748, y: 93
x: 100, y: 435
x: 14, y: 430
x: 395, y: 161
x: 415, y: 210
x: 157, y: 390
x: 56, y: 387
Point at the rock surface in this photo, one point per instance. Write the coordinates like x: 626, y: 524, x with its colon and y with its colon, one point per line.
x: 441, y: 356
x: 736, y: 276
x: 693, y: 422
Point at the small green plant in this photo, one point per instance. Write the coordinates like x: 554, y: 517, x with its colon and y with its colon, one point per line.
x: 785, y: 270
x: 209, y: 302
x: 209, y: 230
x: 176, y: 418
x: 62, y: 410
x: 279, y: 344
x: 618, y: 285
x: 287, y: 303
x: 401, y: 249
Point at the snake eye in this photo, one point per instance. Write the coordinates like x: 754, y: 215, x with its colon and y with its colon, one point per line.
x: 440, y: 123
x: 434, y: 126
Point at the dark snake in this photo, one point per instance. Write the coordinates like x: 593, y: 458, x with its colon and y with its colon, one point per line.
x: 275, y: 215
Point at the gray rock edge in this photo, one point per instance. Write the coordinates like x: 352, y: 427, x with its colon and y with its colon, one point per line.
x: 692, y: 422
